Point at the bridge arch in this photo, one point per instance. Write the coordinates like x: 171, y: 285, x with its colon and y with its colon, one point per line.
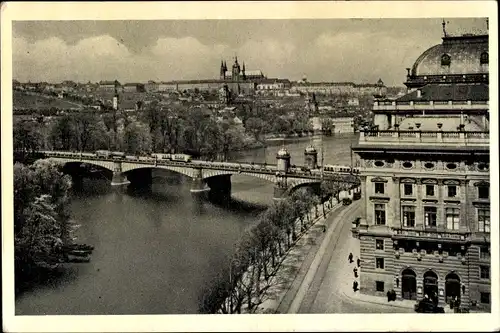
x: 295, y: 185
x: 184, y: 170
x: 103, y: 164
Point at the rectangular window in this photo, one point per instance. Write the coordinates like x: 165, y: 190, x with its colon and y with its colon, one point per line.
x: 452, y: 191
x: 452, y: 218
x: 429, y: 190
x: 379, y: 285
x: 483, y: 192
x: 379, y: 188
x: 408, y: 189
x: 379, y: 263
x: 379, y: 244
x: 485, y: 298
x: 430, y: 216
x: 379, y: 214
x: 485, y: 272
x: 483, y: 219
x: 409, y: 216
x: 484, y: 253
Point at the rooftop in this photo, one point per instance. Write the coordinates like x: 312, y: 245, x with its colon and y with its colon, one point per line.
x: 455, y: 55
x: 449, y: 92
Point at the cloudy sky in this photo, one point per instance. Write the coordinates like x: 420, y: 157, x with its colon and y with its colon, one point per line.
x: 359, y: 50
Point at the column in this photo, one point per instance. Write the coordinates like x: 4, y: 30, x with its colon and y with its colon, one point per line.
x: 119, y: 178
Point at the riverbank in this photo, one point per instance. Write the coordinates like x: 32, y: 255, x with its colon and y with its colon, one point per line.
x: 283, y: 284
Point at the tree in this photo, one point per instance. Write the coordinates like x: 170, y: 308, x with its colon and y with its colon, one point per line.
x: 137, y: 139
x: 27, y: 136
x: 41, y: 218
x: 84, y: 123
x: 63, y: 134
x: 256, y: 126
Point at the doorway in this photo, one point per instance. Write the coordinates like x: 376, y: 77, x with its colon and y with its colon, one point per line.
x: 452, y: 287
x: 431, y: 286
x: 409, y: 284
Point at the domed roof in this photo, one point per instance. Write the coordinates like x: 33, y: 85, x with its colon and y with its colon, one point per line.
x: 456, y: 55
x: 311, y: 149
x: 283, y: 152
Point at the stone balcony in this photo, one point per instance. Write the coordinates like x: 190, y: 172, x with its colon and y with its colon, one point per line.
x: 431, y: 138
x: 430, y: 105
x: 431, y: 234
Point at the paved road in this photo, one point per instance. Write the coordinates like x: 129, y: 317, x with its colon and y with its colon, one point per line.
x: 335, y: 275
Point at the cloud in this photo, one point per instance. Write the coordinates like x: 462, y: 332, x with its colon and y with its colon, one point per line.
x: 353, y: 56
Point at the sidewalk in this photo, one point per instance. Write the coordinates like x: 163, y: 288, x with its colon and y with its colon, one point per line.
x: 296, y: 264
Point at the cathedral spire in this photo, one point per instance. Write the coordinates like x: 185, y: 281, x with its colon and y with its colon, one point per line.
x: 222, y: 71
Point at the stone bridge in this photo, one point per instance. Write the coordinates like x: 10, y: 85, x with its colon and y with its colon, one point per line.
x: 206, y: 176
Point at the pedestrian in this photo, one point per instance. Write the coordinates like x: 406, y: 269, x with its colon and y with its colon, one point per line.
x: 355, y: 286
x: 350, y: 257
x: 359, y: 262
x: 388, y: 296
x: 355, y: 270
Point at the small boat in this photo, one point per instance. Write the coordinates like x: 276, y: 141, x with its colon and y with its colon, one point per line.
x: 79, y: 252
x: 77, y: 259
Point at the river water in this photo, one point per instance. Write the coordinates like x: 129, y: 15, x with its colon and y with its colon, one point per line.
x: 156, y: 251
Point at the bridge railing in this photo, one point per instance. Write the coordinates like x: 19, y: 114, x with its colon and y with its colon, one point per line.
x: 263, y: 168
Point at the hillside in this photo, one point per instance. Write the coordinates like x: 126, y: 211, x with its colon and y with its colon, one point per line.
x: 25, y: 100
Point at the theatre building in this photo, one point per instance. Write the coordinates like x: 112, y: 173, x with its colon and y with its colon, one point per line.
x: 425, y: 179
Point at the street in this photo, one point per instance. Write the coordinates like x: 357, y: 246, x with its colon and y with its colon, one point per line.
x: 332, y: 283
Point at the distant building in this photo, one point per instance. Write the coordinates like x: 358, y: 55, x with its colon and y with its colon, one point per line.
x: 425, y: 228
x: 133, y: 87
x: 110, y: 86
x: 238, y: 81
x: 152, y: 86
x: 339, y: 125
x: 339, y: 88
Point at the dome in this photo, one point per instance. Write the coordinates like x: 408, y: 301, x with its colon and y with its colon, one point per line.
x: 311, y: 149
x: 283, y: 152
x: 456, y: 55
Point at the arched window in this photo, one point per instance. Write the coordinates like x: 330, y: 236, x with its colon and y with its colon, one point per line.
x: 445, y: 60
x: 484, y: 59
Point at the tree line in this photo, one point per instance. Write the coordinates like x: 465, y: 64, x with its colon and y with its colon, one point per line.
x: 156, y: 129
x: 261, y: 249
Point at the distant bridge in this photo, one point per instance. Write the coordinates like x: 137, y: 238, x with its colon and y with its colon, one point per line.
x: 206, y: 175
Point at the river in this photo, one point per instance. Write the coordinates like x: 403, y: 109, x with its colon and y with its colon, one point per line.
x: 156, y: 251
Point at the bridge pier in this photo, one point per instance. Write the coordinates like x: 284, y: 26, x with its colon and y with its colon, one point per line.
x: 199, y: 187
x: 119, y: 178
x: 280, y: 187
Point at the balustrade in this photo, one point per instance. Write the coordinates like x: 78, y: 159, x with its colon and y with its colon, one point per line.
x: 424, y: 136
x: 431, y: 233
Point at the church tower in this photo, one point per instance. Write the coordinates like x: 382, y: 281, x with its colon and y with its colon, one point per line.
x: 223, y: 70
x: 236, y: 70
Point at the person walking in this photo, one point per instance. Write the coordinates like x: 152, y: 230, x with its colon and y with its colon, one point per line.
x: 355, y: 270
x: 350, y: 257
x: 359, y: 262
x: 355, y: 286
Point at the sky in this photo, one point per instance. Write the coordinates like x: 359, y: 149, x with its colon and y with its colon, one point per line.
x: 333, y: 50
